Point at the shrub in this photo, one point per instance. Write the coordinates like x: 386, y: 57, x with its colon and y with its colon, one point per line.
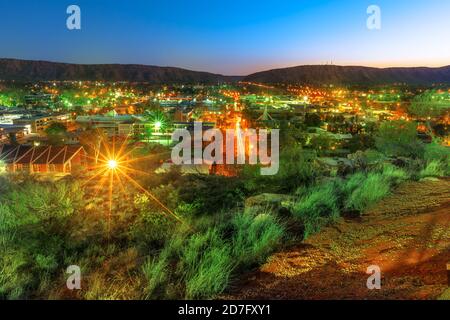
x: 35, y: 233
x: 206, y: 259
x: 212, y: 273
x: 317, y: 208
x: 399, y: 138
x: 434, y: 168
x: 393, y: 174
x: 296, y: 169
x: 352, y: 183
x: 207, y: 264
x: 14, y: 281
x: 156, y: 272
x: 209, y: 193
x: 436, y: 152
x: 150, y: 230
x: 255, y: 237
x: 374, y: 188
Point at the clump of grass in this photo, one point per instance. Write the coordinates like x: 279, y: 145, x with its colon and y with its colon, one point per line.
x: 207, y: 264
x: 352, y: 183
x: 255, y: 237
x: 212, y: 273
x: 437, y: 157
x: 374, y: 188
x: 317, y: 208
x: 436, y: 151
x: 14, y: 282
x: 156, y: 271
x: 202, y: 264
x: 393, y: 174
x: 434, y: 168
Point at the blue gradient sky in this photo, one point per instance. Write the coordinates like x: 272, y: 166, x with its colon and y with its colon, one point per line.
x: 229, y: 37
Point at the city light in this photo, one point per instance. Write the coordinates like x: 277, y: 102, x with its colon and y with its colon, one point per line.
x: 114, y: 168
x: 112, y: 164
x: 157, y: 125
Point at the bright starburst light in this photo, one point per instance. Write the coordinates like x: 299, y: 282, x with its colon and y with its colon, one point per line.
x: 114, y: 166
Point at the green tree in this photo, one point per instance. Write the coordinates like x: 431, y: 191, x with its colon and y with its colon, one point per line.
x: 56, y: 133
x: 313, y: 120
x: 360, y: 142
x: 398, y: 138
x: 321, y: 143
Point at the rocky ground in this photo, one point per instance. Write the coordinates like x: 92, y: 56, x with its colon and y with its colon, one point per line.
x: 407, y: 235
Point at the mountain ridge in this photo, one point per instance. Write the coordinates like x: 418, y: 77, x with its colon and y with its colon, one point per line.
x: 348, y: 75
x: 39, y: 70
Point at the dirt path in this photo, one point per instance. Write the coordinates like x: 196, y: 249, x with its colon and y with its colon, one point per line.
x: 407, y: 236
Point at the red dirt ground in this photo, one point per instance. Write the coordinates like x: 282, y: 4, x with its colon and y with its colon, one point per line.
x: 407, y: 235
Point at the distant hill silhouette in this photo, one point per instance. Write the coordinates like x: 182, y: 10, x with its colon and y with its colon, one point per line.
x: 331, y: 74
x: 26, y: 70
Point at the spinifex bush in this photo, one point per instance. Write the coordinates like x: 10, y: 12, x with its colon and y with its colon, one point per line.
x: 156, y: 272
x: 393, y: 174
x: 436, y: 151
x: 434, y: 168
x: 35, y: 232
x: 207, y: 264
x: 255, y: 237
x: 317, y: 208
x: 399, y: 138
x: 374, y: 188
x: 352, y: 183
x: 14, y: 280
x: 203, y: 263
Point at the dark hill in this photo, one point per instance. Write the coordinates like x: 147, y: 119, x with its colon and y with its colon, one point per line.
x: 26, y: 70
x: 330, y: 74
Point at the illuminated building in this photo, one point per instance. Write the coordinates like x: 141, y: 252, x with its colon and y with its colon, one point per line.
x: 39, y: 123
x: 45, y: 159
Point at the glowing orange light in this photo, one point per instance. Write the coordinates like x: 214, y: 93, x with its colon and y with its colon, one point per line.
x: 112, y: 164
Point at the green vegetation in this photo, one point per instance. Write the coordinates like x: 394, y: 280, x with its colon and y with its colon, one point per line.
x: 322, y: 204
x: 140, y: 251
x: 434, y: 168
x: 437, y: 158
x: 45, y: 227
x: 398, y: 138
x: 12, y: 97
x: 255, y: 237
x: 35, y: 232
x: 56, y: 133
x: 317, y: 207
x: 374, y: 188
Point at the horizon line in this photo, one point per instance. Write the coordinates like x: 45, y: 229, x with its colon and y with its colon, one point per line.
x: 226, y: 75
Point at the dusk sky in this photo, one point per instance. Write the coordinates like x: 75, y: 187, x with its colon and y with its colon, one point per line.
x: 229, y: 37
